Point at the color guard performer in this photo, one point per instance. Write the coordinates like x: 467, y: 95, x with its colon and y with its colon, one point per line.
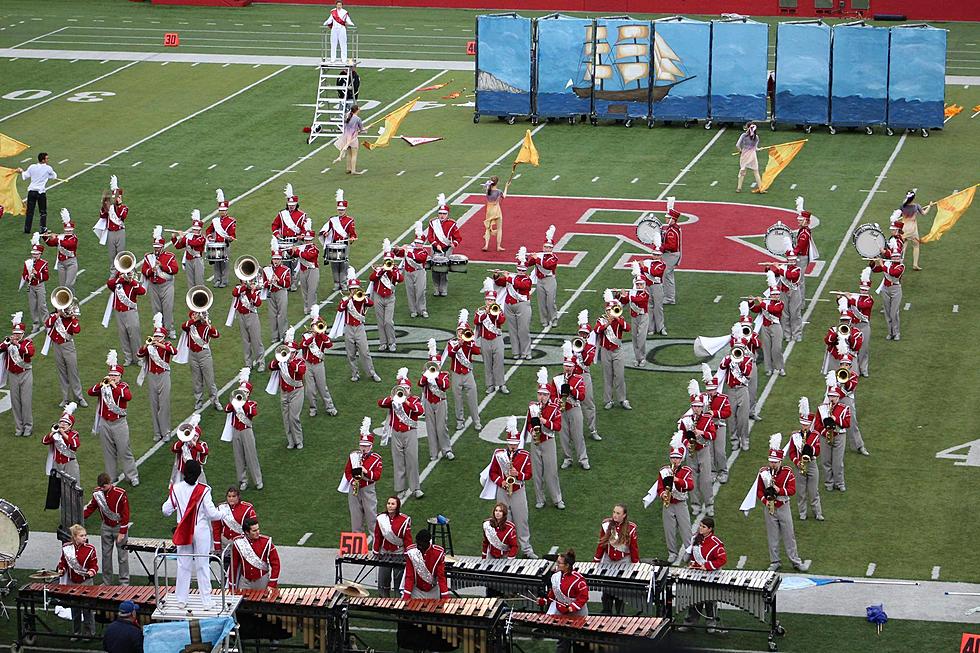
x: 541, y: 424
x: 516, y: 290
x: 158, y: 270
x: 222, y: 231
x: 638, y: 301
x: 62, y: 326
x: 910, y: 231
x: 653, y: 271
x: 245, y: 304
x: 349, y: 323
x: 488, y: 321
x: 585, y: 350
x: 460, y: 351
x: 721, y: 410
x: 609, y: 331
x: 860, y: 305
x: 569, y: 388
x: 392, y: 536
x: 674, y: 482
x: 844, y: 338
x: 771, y: 309
x: 231, y: 526
x: 425, y: 570
x: 125, y: 289
x: 112, y: 502
x: 359, y: 482
x: 67, y: 244
x: 891, y: 295
x: 789, y: 279
x: 434, y: 383
x: 308, y: 257
x: 509, y: 470
x: 16, y: 371
x: 111, y: 227
x: 545, y: 280
x: 493, y: 224
x: 404, y: 411
x: 339, y: 229
x: 194, y: 347
x: 415, y: 256
x: 671, y: 233
x: 313, y: 346
x: 192, y: 243
x: 288, y: 372
x: 803, y: 245
x: 242, y: 411
x: 774, y: 485
x: 34, y: 274
x: 155, y: 357
x: 444, y: 235
x: 277, y: 282
x: 706, y: 552
x: 254, y: 560
x: 78, y: 565
x: 804, y: 449
x: 834, y: 419
x: 384, y: 278
x: 733, y: 375
x: 188, y: 446
x: 110, y: 421
x: 699, y: 431
x: 63, y: 442
x: 748, y: 146
x: 617, y: 540
x: 289, y: 223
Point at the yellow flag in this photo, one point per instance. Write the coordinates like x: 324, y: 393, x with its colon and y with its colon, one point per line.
x: 10, y: 146
x: 392, y: 122
x: 9, y: 197
x: 948, y: 211
x: 779, y: 157
x: 528, y: 153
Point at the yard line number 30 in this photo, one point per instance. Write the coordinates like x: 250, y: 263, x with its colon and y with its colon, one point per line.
x: 29, y: 94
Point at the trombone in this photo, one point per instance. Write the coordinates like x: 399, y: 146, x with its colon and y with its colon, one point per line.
x: 431, y: 369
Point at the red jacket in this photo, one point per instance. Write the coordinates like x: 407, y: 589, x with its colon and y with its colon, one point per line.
x: 194, y: 245
x: 522, y: 468
x: 120, y: 394
x: 166, y: 350
x: 576, y: 390
x: 361, y: 307
x: 67, y: 244
x: 295, y: 367
x: 26, y: 350
x: 721, y: 407
x: 70, y: 443
x: 265, y: 550
x: 654, y: 271
x: 744, y: 368
x: 435, y: 561
x: 40, y: 269
x: 371, y: 468
x: 783, y: 480
x: 811, y: 439
x: 87, y: 559
x: 550, y: 416
x: 546, y: 264
x: 704, y: 428
x: 518, y: 287
x: 321, y: 340
x: 507, y: 534
x: 199, y: 452
x: 228, y: 223
x: 280, y: 228
x: 627, y: 532
x: 802, y: 246
x: 242, y: 293
x: 618, y: 325
x: 309, y: 256
x: 467, y: 351
x: 238, y: 513
x: 671, y: 238
x: 122, y: 212
x: 637, y: 300
x: 451, y: 235
x: 117, y: 501
x: 441, y: 383
x: 855, y: 339
x: 770, y: 309
x: 753, y: 342
x: 841, y: 416
x: 401, y: 526
x: 861, y: 307
x: 585, y: 359
x: 893, y: 272
x: 682, y: 482
x: 484, y: 324
x: 573, y: 586
x: 132, y: 290
x: 204, y: 331
x: 415, y: 256
x: 250, y: 409
x: 280, y: 279
x: 330, y: 235
x: 712, y: 552
x: 379, y: 286
x: 71, y: 324
x: 789, y: 276
x: 413, y: 411
x: 163, y: 271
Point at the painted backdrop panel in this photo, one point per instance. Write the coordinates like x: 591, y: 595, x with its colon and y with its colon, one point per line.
x: 859, y: 89
x: 561, y: 65
x: 739, y: 70
x: 681, y: 69
x: 621, y: 70
x: 802, y: 73
x: 916, y: 85
x: 503, y: 61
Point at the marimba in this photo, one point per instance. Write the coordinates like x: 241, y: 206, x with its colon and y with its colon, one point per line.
x: 314, y: 613
x: 601, y: 632
x: 640, y: 584
x: 509, y: 576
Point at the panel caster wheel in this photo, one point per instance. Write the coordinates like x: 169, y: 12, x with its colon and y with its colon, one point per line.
x: 571, y: 120
x: 534, y: 120
x: 29, y: 640
x: 780, y: 630
x: 772, y: 125
x: 925, y: 133
x: 772, y: 645
x: 476, y: 118
x: 511, y: 120
x: 628, y: 123
x: 868, y: 131
x: 832, y: 129
x: 889, y: 131
x: 707, y: 125
x: 687, y: 124
x: 594, y: 121
x: 650, y: 123
x: 808, y: 129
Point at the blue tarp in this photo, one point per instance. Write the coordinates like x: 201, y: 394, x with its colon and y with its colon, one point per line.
x: 173, y: 636
x: 687, y: 97
x: 739, y: 70
x: 802, y: 73
x: 917, y: 79
x: 621, y: 81
x: 503, y: 64
x: 561, y: 67
x: 859, y: 90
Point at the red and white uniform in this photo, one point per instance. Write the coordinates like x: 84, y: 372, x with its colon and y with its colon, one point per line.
x: 545, y: 264
x: 487, y: 326
x: 803, y: 239
x: 841, y: 415
x: 308, y: 255
x: 855, y: 340
x: 76, y: 560
x: 371, y: 468
x: 227, y: 224
x: 736, y: 375
x: 354, y: 311
x: 415, y: 256
x: 65, y: 453
x: 753, y: 343
x: 783, y: 480
x: 247, y: 299
x: 443, y: 234
x: 576, y: 387
x: 338, y: 229
x: 249, y: 410
x: 434, y: 562
x: 25, y: 348
x: 121, y: 396
x: 637, y: 300
x: 40, y: 269
x: 383, y: 281
x: 244, y: 565
x: 703, y: 426
x: 163, y: 271
x: 586, y: 358
x: 798, y: 440
x: 505, y: 535
x: 574, y: 593
x: 789, y: 276
x: 709, y: 554
x: 280, y: 279
x: 460, y: 352
x: 609, y: 332
x: 389, y: 530
x: 165, y: 351
x: 653, y: 271
x: 192, y: 244
x: 521, y: 462
x: 550, y: 416
x: 671, y: 235
x: 441, y: 382
x: 115, y: 512
x: 720, y: 407
x: 292, y: 377
x: 70, y: 327
x: 770, y: 309
x: 232, y: 523
x: 199, y: 334
x: 518, y: 287
x: 197, y: 451
x: 67, y: 244
x: 893, y: 272
x: 115, y: 219
x: 413, y: 410
x: 860, y: 307
x: 627, y: 543
x: 130, y: 289
x: 682, y: 483
x: 288, y: 224
x: 313, y: 346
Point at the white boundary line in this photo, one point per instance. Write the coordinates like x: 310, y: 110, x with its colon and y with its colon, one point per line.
x: 37, y: 38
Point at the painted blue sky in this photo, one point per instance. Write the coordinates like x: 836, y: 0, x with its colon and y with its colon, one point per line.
x: 918, y: 64
x: 691, y: 40
x: 739, y: 58
x: 803, y: 59
x: 860, y: 62
x: 560, y: 51
x: 505, y: 49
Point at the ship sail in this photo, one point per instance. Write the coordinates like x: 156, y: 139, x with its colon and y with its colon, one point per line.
x: 632, y: 72
x: 633, y: 32
x: 665, y: 61
x: 601, y: 71
x: 600, y: 48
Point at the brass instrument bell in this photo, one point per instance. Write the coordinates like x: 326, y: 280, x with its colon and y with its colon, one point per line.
x: 125, y: 262
x: 578, y: 344
x: 738, y: 353
x: 246, y: 268
x: 494, y: 309
x: 199, y: 299
x: 62, y: 298
x: 843, y: 375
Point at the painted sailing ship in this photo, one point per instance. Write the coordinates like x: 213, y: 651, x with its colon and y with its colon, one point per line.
x: 628, y: 63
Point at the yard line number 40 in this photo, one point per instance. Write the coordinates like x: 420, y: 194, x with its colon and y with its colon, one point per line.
x: 28, y: 94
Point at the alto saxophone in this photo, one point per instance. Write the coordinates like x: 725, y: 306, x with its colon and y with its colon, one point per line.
x: 804, y: 461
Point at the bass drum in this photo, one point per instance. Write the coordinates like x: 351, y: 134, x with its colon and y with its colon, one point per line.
x: 648, y: 230
x: 868, y: 240
x: 13, y: 532
x: 779, y: 239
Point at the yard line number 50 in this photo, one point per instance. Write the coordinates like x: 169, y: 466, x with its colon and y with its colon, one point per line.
x: 28, y: 94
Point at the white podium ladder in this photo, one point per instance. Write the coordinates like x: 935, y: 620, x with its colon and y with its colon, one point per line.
x: 334, y: 97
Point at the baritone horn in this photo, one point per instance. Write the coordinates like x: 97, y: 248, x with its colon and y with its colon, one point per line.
x: 844, y: 330
x: 578, y: 344
x: 467, y: 335
x: 246, y: 268
x: 185, y: 432
x: 282, y: 353
x: 319, y: 326
x: 746, y: 330
x: 62, y: 298
x: 843, y: 375
x: 125, y: 262
x: 238, y: 398
x: 431, y: 369
x: 398, y: 392
x: 615, y: 311
x: 738, y: 353
x: 357, y: 295
x: 199, y: 299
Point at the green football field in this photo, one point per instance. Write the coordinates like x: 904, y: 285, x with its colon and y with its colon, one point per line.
x: 174, y: 131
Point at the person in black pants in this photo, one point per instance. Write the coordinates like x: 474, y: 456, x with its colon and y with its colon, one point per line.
x: 39, y: 174
x: 124, y: 635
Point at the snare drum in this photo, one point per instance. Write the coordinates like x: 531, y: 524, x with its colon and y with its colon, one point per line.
x: 335, y: 253
x: 648, y: 230
x: 779, y: 239
x: 215, y: 252
x: 13, y: 530
x: 868, y: 240
x: 438, y: 264
x: 458, y: 263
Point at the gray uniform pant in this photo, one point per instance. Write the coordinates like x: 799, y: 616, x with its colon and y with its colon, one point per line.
x: 677, y: 523
x: 202, y: 373
x: 832, y: 461
x: 441, y: 279
x: 780, y: 526
x: 853, y: 431
x: 719, y: 459
x: 384, y: 314
x: 415, y: 284
x: 278, y: 323
x: 316, y: 386
x: 772, y: 347
x: 864, y: 353
x: 128, y: 328
x: 700, y: 462
x: 21, y: 400
x: 544, y: 465
x: 37, y: 302
x: 464, y: 384
x: 517, y: 506
x: 162, y: 301
x: 194, y: 269
x: 86, y: 616
x: 109, y: 534
x: 116, y: 451
x: 363, y: 509
x: 803, y: 262
x: 792, y: 318
x: 115, y: 242
x: 613, y: 374
x: 739, y: 398
x: 220, y: 269
x: 754, y: 383
x: 356, y: 346
x: 66, y: 362
x: 252, y: 348
x: 547, y: 299
x: 808, y: 490
x: 436, y: 428
x: 159, y: 392
x: 68, y: 273
x: 671, y: 260
x: 588, y: 404
x: 246, y: 456
x: 385, y: 577
x: 657, y: 323
x: 891, y: 297
x: 339, y: 271
x: 492, y: 352
x: 571, y: 435
x: 291, y: 404
x: 519, y: 327
x: 640, y: 326
x: 309, y: 281
x: 405, y: 457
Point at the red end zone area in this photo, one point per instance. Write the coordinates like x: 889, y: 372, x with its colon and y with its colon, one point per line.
x: 713, y: 233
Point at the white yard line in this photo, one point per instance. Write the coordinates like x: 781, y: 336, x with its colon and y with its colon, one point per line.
x: 71, y: 90
x: 871, y: 569
x: 935, y: 572
x: 38, y: 38
x: 741, y: 562
x: 302, y: 540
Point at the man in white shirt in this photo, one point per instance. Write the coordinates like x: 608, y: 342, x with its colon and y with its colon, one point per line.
x: 39, y: 173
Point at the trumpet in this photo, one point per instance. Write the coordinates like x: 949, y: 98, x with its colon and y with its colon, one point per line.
x: 494, y: 309
x: 319, y: 327
x: 282, y: 353
x: 578, y: 344
x: 844, y: 330
x: 467, y: 335
x: 431, y: 369
x: 247, y: 268
x: 105, y: 380
x: 125, y: 262
x: 843, y: 375
x: 357, y: 295
x: 199, y: 299
x: 738, y: 353
x: 388, y: 265
x: 62, y: 298
x: 148, y: 341
x: 398, y: 392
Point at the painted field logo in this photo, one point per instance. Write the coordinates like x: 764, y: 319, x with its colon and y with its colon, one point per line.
x: 714, y: 233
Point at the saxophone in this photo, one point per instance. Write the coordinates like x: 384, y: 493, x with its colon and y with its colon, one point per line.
x: 667, y: 494
x: 356, y: 480
x: 511, y: 480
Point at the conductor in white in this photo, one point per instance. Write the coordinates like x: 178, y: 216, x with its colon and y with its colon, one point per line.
x: 195, y: 511
x: 338, y: 22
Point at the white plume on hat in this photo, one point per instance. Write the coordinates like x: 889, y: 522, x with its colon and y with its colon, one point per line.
x: 464, y: 315
x: 419, y: 229
x: 743, y: 308
x: 583, y: 316
x: 771, y: 278
x: 488, y: 284
x: 842, y: 347
x: 607, y: 295
x: 386, y: 245
x: 315, y: 312
x: 70, y: 408
x: 737, y: 331
x: 351, y: 274
x: 842, y: 303
x: 522, y: 255
x: 194, y: 420
x: 158, y: 320
x: 692, y: 388
x: 670, y: 203
x: 219, y: 195
x: 566, y: 349
x: 402, y: 373
x: 893, y: 218
x: 511, y: 423
x: 158, y: 232
x: 35, y: 239
x: 274, y: 245
x: 66, y: 217
x: 635, y: 266
x: 366, y: 426
x: 17, y: 317
x: 441, y: 199
x: 831, y: 380
x: 776, y: 441
x: 706, y: 374
x: 542, y: 376
x: 340, y: 194
x: 432, y: 347
x: 804, y: 406
x: 866, y: 276
x: 677, y: 441
x: 289, y: 190
x: 243, y: 374
x: 549, y: 234
x: 799, y: 204
x: 290, y: 334
x: 657, y: 240
x: 196, y: 215
x: 113, y: 183
x: 112, y: 359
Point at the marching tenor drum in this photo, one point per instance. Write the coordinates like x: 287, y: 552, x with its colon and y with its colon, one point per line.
x: 438, y: 263
x: 458, y: 263
x: 13, y: 533
x: 335, y: 253
x: 215, y: 252
x: 286, y: 245
x: 779, y: 239
x: 647, y: 230
x: 868, y: 240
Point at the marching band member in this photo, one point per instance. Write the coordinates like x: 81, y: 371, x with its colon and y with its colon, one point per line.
x: 896, y: 241
x: 517, y: 305
x: 584, y: 360
x: 609, y: 333
x: 63, y: 443
x: 653, y: 274
x: 392, y: 535
x: 289, y: 370
x: 277, y: 282
x: 222, y: 230
x: 499, y: 536
x: 110, y: 421
x: 425, y: 570
x: 847, y: 380
x: 414, y: 258
x: 487, y: 323
x: 789, y: 277
x: 188, y: 446
x: 246, y: 302
x: 671, y: 233
x: 112, y: 502
x: 78, y: 565
x: 198, y: 332
x: 706, y: 552
x: 444, y: 235
x: 234, y: 513
x: 16, y: 371
x: 771, y: 308
x: 404, y: 410
x: 721, y: 410
x: 313, y: 346
x: 338, y: 21
x: 569, y: 389
x: 493, y: 224
x: 156, y: 355
x: 359, y: 482
x: 638, y: 301
x: 804, y: 449
x: 860, y: 305
x: 699, y: 430
x: 674, y: 481
x: 568, y: 594
x: 510, y: 469
x: 541, y: 424
x: 844, y: 338
x: 774, y: 485
x: 834, y: 419
x: 62, y: 327
x: 67, y: 244
x: 158, y: 270
x: 434, y: 383
x: 309, y: 267
x: 339, y: 229
x: 745, y: 334
x: 803, y: 245
x: 195, y: 510
x: 113, y: 215
x: 617, y: 540
x: 350, y: 323
x: 460, y: 351
x: 910, y: 212
x: 254, y: 560
x: 734, y: 371
x: 242, y: 411
x: 545, y: 280
x: 125, y: 291
x: 891, y: 295
x: 288, y: 224
x: 384, y: 278
x: 34, y: 274
x: 193, y: 245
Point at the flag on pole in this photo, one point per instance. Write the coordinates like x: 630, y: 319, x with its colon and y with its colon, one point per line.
x: 9, y: 197
x: 11, y: 146
x: 779, y: 157
x: 948, y: 211
x: 528, y: 153
x: 392, y: 122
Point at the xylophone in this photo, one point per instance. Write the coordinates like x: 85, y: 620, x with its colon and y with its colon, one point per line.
x: 599, y: 632
x: 150, y: 545
x: 509, y: 576
x: 366, y: 561
x: 473, y: 624
x: 640, y: 584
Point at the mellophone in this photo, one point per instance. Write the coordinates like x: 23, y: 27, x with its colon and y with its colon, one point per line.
x: 601, y: 631
x: 640, y: 584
